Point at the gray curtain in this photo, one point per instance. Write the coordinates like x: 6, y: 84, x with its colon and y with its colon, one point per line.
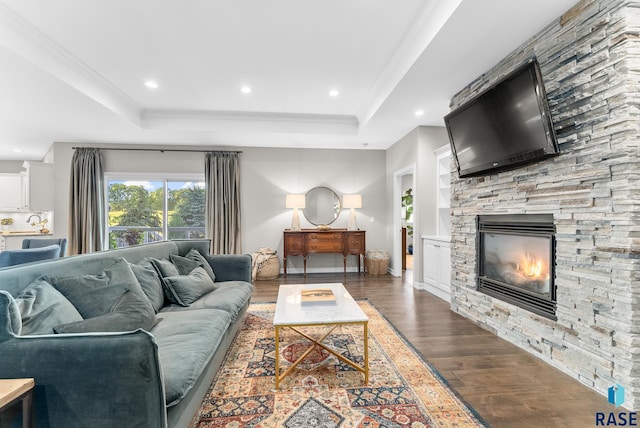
x: 87, y: 216
x: 222, y: 202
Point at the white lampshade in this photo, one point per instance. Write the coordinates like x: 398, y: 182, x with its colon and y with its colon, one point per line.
x: 295, y: 201
x: 352, y: 201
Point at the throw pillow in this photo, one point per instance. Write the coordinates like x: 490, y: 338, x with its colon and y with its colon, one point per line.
x: 95, y: 295
x: 42, y: 307
x: 184, y: 265
x: 15, y: 321
x: 197, y: 256
x: 151, y: 284
x: 165, y: 267
x: 186, y: 289
x: 150, y: 262
x: 128, y: 314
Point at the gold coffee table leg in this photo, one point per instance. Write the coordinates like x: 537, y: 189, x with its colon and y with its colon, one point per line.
x: 318, y: 342
x: 366, y: 352
x: 277, y: 357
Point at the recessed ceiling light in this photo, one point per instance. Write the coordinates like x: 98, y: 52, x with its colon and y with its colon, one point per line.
x: 245, y: 89
x: 16, y: 151
x: 151, y: 84
x: 419, y: 112
x: 334, y: 93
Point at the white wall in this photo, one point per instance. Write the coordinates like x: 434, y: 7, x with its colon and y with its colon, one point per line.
x: 11, y: 166
x: 267, y: 175
x: 61, y: 156
x: 430, y: 138
x: 417, y: 148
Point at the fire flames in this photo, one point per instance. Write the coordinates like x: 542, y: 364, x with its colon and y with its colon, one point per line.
x: 532, y: 266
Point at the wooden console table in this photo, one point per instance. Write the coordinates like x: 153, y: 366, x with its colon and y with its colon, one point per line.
x: 332, y: 241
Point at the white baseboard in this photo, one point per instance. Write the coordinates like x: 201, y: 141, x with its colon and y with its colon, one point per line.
x: 393, y: 272
x: 437, y: 290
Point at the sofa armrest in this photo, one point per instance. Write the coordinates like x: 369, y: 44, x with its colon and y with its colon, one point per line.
x: 231, y: 267
x: 91, y: 379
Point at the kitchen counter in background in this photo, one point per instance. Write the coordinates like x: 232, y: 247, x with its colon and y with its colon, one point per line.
x: 25, y: 224
x: 13, y: 240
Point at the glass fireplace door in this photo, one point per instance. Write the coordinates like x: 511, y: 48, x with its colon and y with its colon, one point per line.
x: 519, y: 261
x: 516, y: 260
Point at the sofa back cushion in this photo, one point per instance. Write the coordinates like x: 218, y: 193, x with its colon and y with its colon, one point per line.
x: 15, y: 279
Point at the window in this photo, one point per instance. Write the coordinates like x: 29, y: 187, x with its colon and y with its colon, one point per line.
x: 142, y: 211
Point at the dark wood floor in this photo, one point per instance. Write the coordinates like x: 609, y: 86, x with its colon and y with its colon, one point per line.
x: 507, y: 386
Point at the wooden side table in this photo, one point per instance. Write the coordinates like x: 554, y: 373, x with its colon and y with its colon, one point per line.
x: 14, y: 390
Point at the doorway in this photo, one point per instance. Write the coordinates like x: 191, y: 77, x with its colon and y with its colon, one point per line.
x: 406, y: 218
x: 404, y: 179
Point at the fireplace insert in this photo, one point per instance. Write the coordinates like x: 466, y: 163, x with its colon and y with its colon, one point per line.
x: 516, y: 260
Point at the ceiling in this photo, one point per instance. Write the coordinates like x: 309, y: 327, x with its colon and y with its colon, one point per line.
x: 75, y: 70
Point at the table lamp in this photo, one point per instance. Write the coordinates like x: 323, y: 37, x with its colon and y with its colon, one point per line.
x: 295, y: 202
x: 353, y: 202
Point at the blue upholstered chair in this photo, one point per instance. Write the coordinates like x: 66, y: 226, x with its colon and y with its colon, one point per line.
x: 17, y: 257
x: 38, y: 243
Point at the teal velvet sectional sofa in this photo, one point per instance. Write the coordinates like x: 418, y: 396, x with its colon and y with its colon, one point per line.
x: 124, y: 338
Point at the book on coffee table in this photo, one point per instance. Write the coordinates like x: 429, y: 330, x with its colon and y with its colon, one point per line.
x: 317, y: 296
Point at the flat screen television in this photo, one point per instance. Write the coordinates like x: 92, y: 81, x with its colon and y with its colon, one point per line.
x: 505, y: 127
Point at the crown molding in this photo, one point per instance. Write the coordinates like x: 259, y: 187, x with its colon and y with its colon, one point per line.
x: 219, y: 121
x: 426, y: 25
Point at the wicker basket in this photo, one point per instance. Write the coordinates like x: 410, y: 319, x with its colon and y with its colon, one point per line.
x: 377, y: 262
x: 269, y: 270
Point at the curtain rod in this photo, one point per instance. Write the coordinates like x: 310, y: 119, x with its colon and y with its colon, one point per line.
x: 161, y: 150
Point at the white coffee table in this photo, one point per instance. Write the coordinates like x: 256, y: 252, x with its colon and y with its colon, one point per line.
x: 290, y: 313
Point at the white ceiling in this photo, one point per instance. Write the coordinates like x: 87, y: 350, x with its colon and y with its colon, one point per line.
x: 74, y: 70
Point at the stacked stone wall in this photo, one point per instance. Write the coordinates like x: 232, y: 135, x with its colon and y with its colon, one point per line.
x: 590, y: 63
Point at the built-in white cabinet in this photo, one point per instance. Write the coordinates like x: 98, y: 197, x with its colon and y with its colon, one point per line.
x: 443, y: 177
x: 11, y: 191
x: 29, y: 190
x: 38, y: 186
x: 436, y: 251
x: 13, y: 242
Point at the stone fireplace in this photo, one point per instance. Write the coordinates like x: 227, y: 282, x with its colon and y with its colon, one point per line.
x: 590, y: 63
x: 516, y: 260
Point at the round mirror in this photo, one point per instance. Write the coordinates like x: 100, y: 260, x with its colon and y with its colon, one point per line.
x: 322, y: 206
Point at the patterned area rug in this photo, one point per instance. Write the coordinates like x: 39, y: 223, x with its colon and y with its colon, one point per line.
x: 403, y: 390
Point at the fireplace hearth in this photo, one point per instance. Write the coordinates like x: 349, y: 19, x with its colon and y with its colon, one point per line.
x: 516, y: 260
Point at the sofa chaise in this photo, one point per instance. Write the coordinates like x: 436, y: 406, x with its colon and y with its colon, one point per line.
x: 130, y: 337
